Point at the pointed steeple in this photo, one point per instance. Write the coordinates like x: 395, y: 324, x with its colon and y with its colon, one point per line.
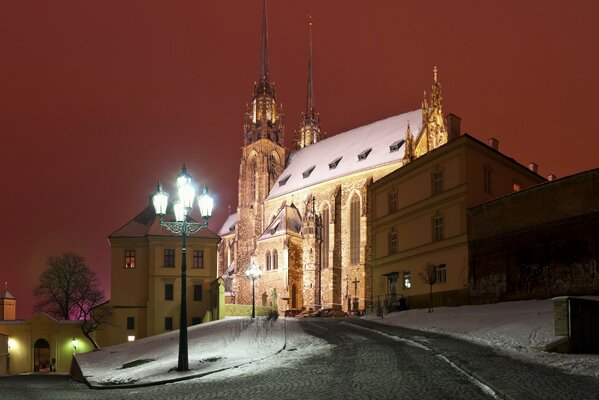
x: 263, y: 117
x: 310, y: 126
x: 264, y: 46
x: 434, y: 131
x: 408, y: 146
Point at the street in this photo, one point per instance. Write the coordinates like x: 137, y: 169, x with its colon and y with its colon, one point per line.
x: 365, y: 361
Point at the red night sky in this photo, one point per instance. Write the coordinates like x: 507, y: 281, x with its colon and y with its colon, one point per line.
x: 99, y: 100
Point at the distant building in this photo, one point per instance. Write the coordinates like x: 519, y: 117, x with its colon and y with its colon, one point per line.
x: 537, y: 243
x: 302, y: 218
x: 418, y: 216
x: 40, y: 344
x: 146, y: 278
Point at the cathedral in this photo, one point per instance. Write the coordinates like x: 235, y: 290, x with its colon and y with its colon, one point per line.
x: 302, y: 217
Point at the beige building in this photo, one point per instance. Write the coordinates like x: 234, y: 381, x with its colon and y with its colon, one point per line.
x: 419, y: 217
x: 302, y: 217
x: 40, y: 344
x: 146, y: 278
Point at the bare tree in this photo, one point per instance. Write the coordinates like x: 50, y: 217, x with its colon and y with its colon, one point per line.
x: 69, y: 289
x: 428, y: 275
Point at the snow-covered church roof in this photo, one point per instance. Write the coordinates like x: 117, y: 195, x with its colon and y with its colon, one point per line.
x: 228, y: 225
x: 356, y: 150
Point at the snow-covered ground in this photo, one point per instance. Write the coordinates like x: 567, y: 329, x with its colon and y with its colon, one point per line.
x: 521, y: 328
x: 215, y: 346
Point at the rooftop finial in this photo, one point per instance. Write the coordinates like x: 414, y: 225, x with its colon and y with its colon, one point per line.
x: 435, y: 73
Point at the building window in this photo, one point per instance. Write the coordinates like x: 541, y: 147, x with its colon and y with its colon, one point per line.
x: 275, y: 259
x: 354, y: 241
x: 168, y: 323
x: 437, y: 227
x: 516, y: 186
x: 129, y: 258
x: 196, y: 320
x: 392, y: 241
x: 437, y: 181
x: 325, y: 238
x: 488, y: 178
x: 168, y: 291
x: 392, y: 199
x: 197, y: 292
x: 130, y: 323
x: 267, y: 259
x: 198, y: 259
x: 440, y: 273
x: 169, y: 258
x: 407, y: 280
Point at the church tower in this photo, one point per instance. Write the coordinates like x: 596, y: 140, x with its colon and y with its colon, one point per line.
x: 310, y: 126
x: 8, y: 305
x: 262, y: 160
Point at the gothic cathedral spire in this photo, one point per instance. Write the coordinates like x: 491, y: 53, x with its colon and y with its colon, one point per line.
x: 434, y: 132
x: 310, y: 126
x: 263, y: 118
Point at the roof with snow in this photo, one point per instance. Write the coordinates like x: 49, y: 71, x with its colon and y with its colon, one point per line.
x: 287, y: 221
x: 359, y: 149
x: 147, y: 223
x: 229, y: 225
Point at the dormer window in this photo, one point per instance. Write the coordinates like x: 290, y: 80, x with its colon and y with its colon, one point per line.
x: 333, y: 164
x: 274, y: 227
x: 283, y: 181
x: 307, y: 172
x: 396, y: 145
x: 364, y: 154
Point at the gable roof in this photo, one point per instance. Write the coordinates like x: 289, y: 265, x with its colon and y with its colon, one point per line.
x: 4, y: 294
x: 287, y: 221
x: 346, y: 153
x: 229, y: 225
x: 147, y: 223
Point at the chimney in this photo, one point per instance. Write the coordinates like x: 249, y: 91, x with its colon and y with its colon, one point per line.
x: 532, y: 166
x: 453, y: 126
x: 551, y: 177
x: 494, y: 143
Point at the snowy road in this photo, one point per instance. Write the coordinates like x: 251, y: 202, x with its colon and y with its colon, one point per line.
x: 361, y: 362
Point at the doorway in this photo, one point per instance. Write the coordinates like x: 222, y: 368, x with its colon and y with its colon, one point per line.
x: 41, y: 356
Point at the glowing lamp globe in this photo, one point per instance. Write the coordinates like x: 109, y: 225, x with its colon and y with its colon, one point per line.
x: 160, y: 200
x: 206, y: 203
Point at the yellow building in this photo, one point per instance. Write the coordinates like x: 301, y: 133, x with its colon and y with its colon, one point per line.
x: 418, y: 216
x: 41, y: 344
x: 146, y: 278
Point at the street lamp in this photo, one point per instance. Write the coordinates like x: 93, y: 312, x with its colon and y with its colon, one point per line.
x: 74, y: 343
x: 182, y: 226
x: 253, y: 273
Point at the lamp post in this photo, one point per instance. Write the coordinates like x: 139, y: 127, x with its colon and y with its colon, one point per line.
x: 74, y: 343
x: 182, y: 226
x: 253, y: 273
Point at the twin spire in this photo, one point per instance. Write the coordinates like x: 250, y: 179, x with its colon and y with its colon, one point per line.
x: 310, y: 127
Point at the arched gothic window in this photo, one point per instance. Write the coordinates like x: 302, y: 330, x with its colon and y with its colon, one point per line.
x: 267, y: 260
x: 325, y: 237
x: 354, y: 241
x: 252, y: 178
x: 275, y: 259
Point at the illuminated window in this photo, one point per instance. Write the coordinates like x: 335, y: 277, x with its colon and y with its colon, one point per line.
x: 437, y: 181
x: 354, y: 240
x: 392, y: 241
x: 407, y: 280
x: 198, y: 259
x: 516, y: 186
x: 197, y: 292
x: 267, y: 260
x: 440, y: 273
x: 130, y: 322
x: 392, y: 200
x: 437, y: 227
x: 129, y: 258
x: 131, y: 338
x: 275, y: 259
x: 169, y: 258
x: 168, y: 323
x: 168, y: 291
